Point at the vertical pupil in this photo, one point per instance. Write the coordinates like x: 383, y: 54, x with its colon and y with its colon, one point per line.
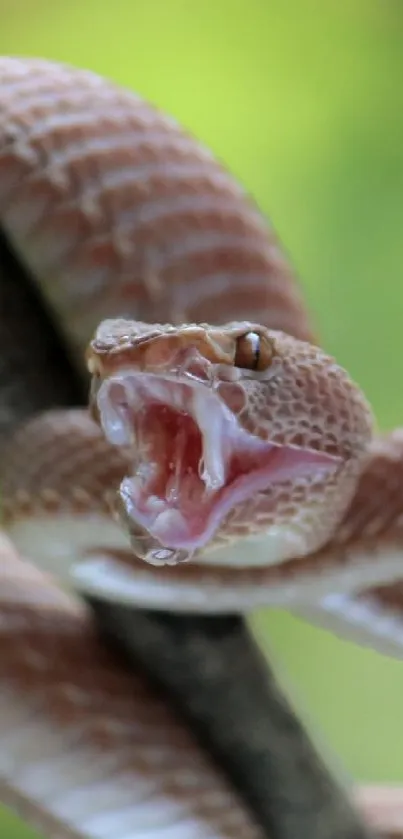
x: 248, y: 351
x: 255, y: 347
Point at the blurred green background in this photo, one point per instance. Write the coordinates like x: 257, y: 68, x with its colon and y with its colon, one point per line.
x: 303, y: 100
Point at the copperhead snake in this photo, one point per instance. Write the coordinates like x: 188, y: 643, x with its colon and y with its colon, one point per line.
x: 225, y: 437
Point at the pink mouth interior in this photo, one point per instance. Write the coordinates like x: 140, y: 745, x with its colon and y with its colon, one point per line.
x: 193, y: 460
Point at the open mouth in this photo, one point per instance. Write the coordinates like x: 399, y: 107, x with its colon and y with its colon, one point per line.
x: 193, y: 461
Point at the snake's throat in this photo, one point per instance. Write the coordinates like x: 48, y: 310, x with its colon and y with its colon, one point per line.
x: 194, y: 462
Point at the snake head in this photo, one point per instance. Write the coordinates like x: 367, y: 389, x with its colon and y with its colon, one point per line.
x: 246, y: 443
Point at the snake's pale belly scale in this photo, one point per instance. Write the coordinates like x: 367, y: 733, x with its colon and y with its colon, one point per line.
x: 116, y: 213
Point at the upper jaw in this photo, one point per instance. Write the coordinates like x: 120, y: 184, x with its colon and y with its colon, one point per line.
x: 121, y: 396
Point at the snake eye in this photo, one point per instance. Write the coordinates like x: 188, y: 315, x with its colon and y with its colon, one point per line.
x: 253, y: 351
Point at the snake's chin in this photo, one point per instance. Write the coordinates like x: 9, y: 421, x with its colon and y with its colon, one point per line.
x: 193, y: 460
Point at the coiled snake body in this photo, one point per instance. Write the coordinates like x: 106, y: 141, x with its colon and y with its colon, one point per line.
x: 220, y: 433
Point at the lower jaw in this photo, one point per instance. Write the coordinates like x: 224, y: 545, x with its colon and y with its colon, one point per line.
x: 261, y: 550
x: 160, y: 543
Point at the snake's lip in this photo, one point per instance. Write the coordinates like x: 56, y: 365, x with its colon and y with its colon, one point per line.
x: 234, y: 464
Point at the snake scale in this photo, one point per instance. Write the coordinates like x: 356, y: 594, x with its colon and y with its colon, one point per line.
x: 219, y: 433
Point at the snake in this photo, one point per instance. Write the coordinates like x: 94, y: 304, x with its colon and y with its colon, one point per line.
x: 177, y: 448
